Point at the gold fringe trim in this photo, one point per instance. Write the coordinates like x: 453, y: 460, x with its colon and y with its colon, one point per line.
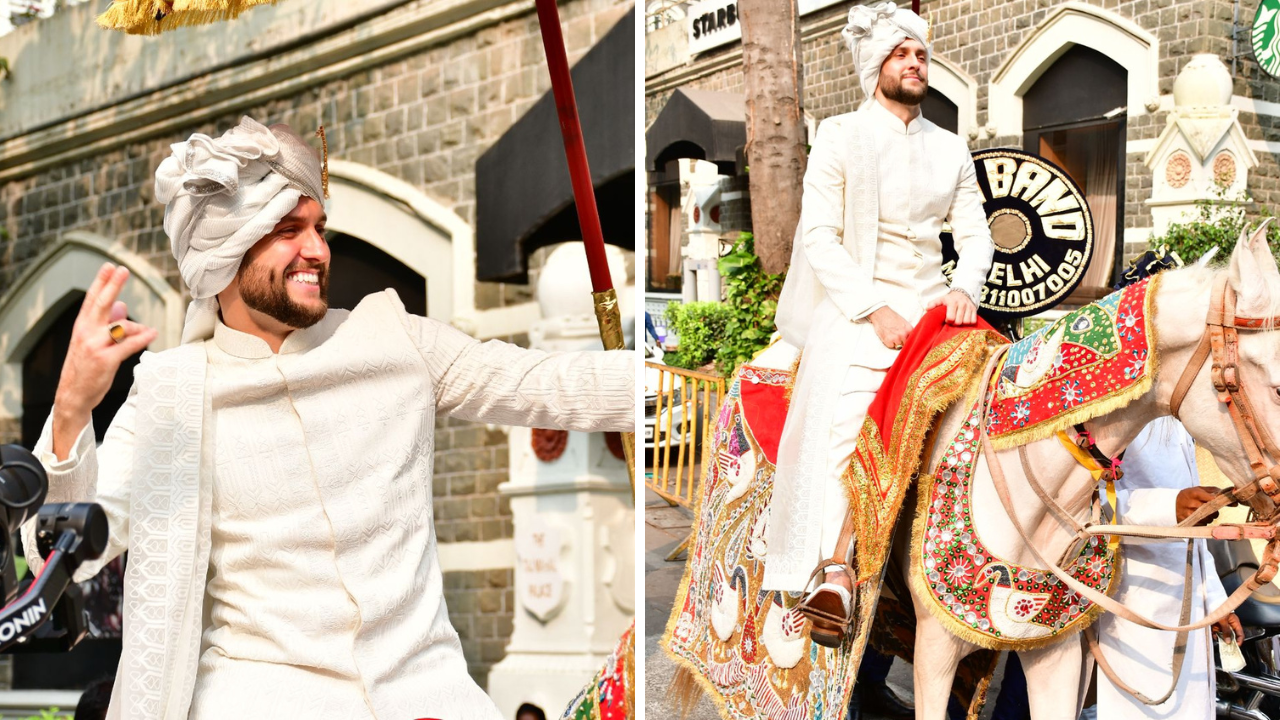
x: 152, y: 17
x: 685, y: 690
x: 630, y: 670
x: 900, y: 462
x: 1101, y: 406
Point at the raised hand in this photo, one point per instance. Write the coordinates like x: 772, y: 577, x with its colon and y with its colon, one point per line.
x: 93, y: 357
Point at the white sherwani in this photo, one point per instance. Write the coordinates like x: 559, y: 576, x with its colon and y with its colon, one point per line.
x: 1157, y: 465
x: 876, y: 194
x: 305, y: 500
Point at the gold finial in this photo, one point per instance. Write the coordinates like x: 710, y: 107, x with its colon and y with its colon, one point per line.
x: 324, y: 167
x: 928, y: 33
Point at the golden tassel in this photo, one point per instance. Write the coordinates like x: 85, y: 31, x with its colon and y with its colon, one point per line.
x: 685, y: 691
x: 324, y: 166
x: 151, y: 17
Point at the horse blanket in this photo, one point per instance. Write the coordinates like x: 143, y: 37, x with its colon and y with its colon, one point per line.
x: 749, y: 649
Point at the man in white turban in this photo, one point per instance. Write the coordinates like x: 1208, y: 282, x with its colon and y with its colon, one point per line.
x: 271, y: 476
x: 867, y: 264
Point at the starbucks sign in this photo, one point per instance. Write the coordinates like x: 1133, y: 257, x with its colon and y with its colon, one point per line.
x: 1265, y: 38
x: 1042, y: 229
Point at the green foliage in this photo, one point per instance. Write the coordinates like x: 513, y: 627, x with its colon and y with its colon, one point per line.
x: 700, y: 327
x: 751, y: 298
x: 48, y: 714
x: 1218, y: 222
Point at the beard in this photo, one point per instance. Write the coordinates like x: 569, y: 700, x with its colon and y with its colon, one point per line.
x: 894, y: 90
x: 264, y: 290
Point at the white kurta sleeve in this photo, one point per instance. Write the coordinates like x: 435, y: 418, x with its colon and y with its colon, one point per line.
x: 822, y: 213
x: 971, y: 233
x: 91, y: 474
x: 500, y: 383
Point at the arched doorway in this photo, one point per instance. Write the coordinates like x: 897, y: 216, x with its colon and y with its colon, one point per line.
x: 1075, y: 116
x: 360, y: 268
x: 36, y: 318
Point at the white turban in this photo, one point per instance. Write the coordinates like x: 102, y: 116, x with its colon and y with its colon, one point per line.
x: 221, y: 197
x: 873, y: 31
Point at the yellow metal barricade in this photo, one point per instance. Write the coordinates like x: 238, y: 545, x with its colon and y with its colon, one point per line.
x: 680, y: 410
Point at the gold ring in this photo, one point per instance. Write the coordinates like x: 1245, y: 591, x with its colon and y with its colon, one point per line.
x: 117, y: 332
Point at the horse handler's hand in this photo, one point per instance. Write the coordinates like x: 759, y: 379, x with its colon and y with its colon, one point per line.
x: 960, y: 309
x: 1229, y: 627
x: 890, y: 327
x: 1190, y: 499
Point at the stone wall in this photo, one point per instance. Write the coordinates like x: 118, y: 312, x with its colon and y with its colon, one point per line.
x: 423, y: 118
x: 978, y: 36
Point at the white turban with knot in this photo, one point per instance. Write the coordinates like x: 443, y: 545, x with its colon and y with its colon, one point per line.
x: 221, y: 197
x: 873, y: 31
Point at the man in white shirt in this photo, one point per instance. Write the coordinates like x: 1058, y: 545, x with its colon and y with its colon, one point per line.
x: 271, y: 476
x: 866, y: 266
x: 1161, y: 487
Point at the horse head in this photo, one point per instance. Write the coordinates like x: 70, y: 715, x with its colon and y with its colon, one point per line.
x: 1254, y: 277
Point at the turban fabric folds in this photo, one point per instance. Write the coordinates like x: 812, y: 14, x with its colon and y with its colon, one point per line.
x: 873, y: 31
x: 222, y: 196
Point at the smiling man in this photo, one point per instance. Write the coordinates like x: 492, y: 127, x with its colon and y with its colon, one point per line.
x: 867, y: 265
x: 271, y: 476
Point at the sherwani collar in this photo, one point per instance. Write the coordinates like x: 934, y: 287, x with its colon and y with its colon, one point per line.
x: 251, y: 347
x: 882, y: 115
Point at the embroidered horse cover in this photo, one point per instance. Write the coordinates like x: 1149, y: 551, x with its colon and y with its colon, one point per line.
x: 1088, y: 363
x: 611, y: 693
x: 747, y: 647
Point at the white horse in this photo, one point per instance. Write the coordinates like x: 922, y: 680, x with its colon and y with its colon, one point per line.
x: 1055, y: 672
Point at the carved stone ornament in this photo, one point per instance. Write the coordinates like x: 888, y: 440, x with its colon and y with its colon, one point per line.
x: 1224, y: 169
x: 1177, y: 172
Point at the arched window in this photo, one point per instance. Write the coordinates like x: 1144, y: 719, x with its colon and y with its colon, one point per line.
x: 1074, y: 115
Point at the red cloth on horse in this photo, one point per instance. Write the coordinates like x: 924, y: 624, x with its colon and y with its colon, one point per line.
x: 932, y: 330
x: 764, y: 408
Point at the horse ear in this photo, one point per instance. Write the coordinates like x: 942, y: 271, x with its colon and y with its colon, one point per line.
x: 1254, y: 275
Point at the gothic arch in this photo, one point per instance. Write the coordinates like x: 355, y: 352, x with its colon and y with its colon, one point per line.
x: 947, y: 78
x: 424, y: 235
x: 67, y: 268
x: 1075, y: 23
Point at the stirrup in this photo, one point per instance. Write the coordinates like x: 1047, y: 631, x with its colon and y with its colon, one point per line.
x: 829, y: 607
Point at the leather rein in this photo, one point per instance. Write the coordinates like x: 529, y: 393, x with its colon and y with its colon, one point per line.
x: 1220, y: 340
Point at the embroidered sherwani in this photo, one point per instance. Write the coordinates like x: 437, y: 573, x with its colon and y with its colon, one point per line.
x: 304, y: 497
x: 876, y: 193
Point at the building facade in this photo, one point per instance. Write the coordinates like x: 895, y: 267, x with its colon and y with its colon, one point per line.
x: 410, y: 94
x: 1087, y: 85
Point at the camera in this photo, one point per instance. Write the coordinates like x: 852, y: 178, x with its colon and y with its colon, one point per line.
x: 47, y: 614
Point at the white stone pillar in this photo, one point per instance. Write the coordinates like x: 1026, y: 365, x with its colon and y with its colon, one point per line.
x: 574, y: 518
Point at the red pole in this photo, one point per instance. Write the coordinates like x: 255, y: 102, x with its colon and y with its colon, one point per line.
x: 915, y: 6
x: 584, y: 195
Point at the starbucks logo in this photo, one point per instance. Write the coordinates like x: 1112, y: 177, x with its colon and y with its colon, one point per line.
x: 1266, y: 37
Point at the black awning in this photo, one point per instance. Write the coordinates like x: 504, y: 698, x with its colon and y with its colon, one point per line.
x: 698, y: 124
x: 523, y: 197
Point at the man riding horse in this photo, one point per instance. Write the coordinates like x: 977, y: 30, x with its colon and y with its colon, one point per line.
x: 866, y: 266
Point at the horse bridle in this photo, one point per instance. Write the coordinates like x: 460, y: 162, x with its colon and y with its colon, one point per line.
x: 1221, y: 339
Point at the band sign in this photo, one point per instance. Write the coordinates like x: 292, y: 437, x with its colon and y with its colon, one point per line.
x: 1265, y: 37
x: 1042, y: 229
